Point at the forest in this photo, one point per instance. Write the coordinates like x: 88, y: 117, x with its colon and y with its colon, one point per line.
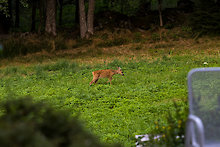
x: 80, y: 21
x: 55, y: 16
x: 67, y: 24
x: 49, y: 49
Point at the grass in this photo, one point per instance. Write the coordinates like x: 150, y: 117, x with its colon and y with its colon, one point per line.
x: 155, y: 76
x: 115, y: 113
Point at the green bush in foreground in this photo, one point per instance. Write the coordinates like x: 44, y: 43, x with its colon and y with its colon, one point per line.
x: 24, y: 123
x: 172, y: 133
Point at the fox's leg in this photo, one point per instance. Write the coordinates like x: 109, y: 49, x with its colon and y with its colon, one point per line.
x: 96, y: 80
x: 110, y: 80
x: 93, y: 80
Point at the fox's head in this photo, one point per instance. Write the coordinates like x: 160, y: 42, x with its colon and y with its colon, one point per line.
x: 120, y: 71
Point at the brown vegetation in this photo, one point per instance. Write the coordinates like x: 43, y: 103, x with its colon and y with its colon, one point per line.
x: 120, y: 44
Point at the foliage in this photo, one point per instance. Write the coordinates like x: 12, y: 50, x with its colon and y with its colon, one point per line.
x: 172, y: 133
x: 23, y: 45
x: 128, y: 14
x: 165, y: 4
x: 205, y: 18
x: 4, y: 7
x: 24, y: 3
x: 35, y: 124
x: 27, y: 43
x: 126, y: 7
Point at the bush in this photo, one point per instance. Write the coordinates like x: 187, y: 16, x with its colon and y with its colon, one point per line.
x: 22, y: 45
x: 24, y: 123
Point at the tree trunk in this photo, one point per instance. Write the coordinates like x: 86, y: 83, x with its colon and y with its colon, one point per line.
x: 82, y: 19
x: 160, y: 12
x: 33, y: 20
x: 60, y: 12
x: 90, y: 17
x: 17, y: 13
x: 51, y: 17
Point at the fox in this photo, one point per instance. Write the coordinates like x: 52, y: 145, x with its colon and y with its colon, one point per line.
x: 106, y: 73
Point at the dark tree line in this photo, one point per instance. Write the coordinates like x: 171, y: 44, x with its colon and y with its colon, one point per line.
x: 205, y: 14
x: 47, y: 14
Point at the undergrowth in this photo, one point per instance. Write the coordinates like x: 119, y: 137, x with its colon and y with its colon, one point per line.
x: 22, y: 45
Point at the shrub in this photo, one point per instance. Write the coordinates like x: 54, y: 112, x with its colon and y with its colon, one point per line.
x: 19, y: 46
x: 172, y: 133
x: 24, y: 123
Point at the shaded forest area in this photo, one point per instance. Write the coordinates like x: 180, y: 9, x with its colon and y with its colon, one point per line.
x: 50, y: 23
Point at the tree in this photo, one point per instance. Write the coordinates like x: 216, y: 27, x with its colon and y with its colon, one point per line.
x: 6, y: 7
x: 51, y: 17
x: 17, y: 13
x: 90, y: 17
x: 60, y: 11
x: 206, y: 16
x: 33, y: 19
x: 82, y: 19
x: 86, y: 26
x: 161, y: 5
x: 160, y: 12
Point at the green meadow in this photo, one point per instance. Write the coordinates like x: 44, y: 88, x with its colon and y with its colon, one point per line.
x: 114, y: 113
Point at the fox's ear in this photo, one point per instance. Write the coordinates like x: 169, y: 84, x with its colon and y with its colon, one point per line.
x: 119, y: 68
